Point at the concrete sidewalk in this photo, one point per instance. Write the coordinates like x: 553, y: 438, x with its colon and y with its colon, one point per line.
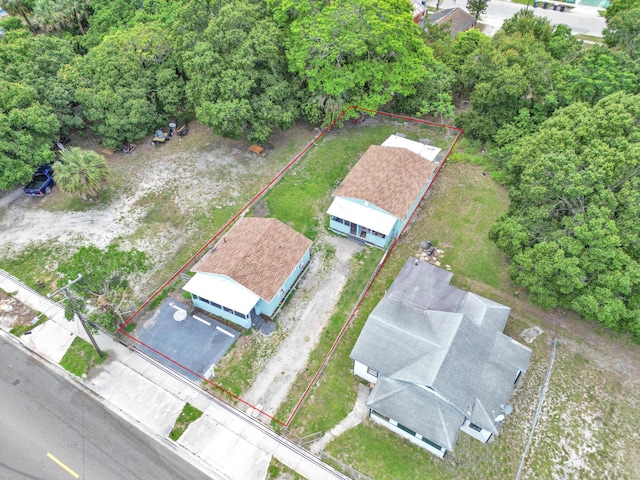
x: 224, y: 443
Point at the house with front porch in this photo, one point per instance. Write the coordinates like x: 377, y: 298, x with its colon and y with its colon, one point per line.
x: 248, y: 274
x: 438, y: 360
x: 376, y: 199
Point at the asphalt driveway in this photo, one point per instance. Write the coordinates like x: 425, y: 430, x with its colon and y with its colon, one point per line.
x: 195, y: 342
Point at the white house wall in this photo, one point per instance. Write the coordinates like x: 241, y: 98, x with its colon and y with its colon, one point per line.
x: 361, y: 370
x: 482, y: 435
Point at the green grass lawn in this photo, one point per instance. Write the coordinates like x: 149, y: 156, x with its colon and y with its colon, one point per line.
x: 301, y: 199
x: 188, y: 415
x: 20, y: 330
x: 80, y: 357
x: 469, y: 252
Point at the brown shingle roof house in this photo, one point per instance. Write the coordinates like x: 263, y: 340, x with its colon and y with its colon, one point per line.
x: 376, y: 199
x: 250, y: 271
x: 388, y: 177
x: 459, y: 19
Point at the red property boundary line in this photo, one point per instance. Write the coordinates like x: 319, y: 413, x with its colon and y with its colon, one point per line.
x: 248, y: 205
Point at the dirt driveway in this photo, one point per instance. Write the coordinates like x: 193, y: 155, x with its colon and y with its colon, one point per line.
x: 302, y: 322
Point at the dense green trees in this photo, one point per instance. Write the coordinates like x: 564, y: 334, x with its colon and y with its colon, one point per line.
x: 27, y: 130
x: 129, y: 84
x: 238, y: 80
x: 352, y: 52
x: 571, y: 231
x: 508, y: 74
x: 35, y: 61
x: 623, y: 26
x: 22, y: 8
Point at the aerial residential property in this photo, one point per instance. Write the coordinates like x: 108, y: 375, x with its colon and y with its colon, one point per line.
x: 438, y: 360
x: 248, y: 274
x: 377, y: 198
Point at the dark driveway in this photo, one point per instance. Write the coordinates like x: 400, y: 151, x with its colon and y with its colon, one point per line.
x: 196, y: 342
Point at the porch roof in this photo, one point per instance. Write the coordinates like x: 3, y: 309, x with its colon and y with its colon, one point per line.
x: 222, y: 290
x: 362, y: 215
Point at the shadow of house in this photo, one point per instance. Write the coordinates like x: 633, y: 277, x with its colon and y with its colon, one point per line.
x: 439, y: 360
x: 458, y: 20
x: 377, y: 197
x: 249, y: 273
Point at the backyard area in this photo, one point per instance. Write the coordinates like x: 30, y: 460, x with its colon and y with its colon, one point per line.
x: 171, y: 200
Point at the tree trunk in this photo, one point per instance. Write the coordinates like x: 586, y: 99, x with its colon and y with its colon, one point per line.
x: 80, y: 23
x: 31, y: 27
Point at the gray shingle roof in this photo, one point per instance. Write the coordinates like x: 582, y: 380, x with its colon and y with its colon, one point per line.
x: 418, y: 409
x: 434, y: 344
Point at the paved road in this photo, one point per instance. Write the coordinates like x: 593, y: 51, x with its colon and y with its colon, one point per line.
x: 44, y: 420
x: 581, y: 19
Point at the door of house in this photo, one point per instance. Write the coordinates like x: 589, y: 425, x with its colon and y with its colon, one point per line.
x: 354, y: 228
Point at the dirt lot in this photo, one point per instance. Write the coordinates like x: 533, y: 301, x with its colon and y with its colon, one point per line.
x: 166, y: 201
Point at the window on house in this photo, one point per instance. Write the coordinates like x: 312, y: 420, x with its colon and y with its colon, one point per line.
x: 378, y: 234
x: 195, y: 297
x: 475, y: 427
x: 371, y: 371
x: 228, y: 310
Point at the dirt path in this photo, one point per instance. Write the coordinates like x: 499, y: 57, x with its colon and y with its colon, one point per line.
x: 303, y: 322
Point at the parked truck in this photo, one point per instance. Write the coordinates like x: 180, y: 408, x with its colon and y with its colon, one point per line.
x: 41, y: 182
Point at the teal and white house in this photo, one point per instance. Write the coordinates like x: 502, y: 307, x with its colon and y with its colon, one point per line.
x: 246, y: 277
x: 376, y: 199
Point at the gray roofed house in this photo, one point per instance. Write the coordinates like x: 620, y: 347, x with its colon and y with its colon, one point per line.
x: 439, y: 360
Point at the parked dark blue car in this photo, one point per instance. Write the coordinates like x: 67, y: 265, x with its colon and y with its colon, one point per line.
x: 41, y: 182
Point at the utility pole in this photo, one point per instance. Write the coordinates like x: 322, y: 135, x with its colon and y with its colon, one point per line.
x: 80, y: 316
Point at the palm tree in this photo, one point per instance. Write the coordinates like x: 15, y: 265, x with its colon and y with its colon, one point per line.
x: 18, y: 7
x: 49, y: 15
x: 82, y: 173
x: 76, y: 11
x: 54, y: 15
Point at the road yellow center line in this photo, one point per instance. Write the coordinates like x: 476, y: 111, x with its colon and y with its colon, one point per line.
x: 62, y: 465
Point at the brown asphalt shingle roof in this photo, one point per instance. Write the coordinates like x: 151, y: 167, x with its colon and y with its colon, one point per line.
x: 258, y: 253
x: 460, y: 20
x: 388, y: 177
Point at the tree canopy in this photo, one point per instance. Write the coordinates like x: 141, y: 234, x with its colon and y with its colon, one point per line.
x: 129, y: 84
x: 353, y: 52
x: 571, y: 231
x: 27, y: 130
x: 238, y: 79
x: 35, y: 61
